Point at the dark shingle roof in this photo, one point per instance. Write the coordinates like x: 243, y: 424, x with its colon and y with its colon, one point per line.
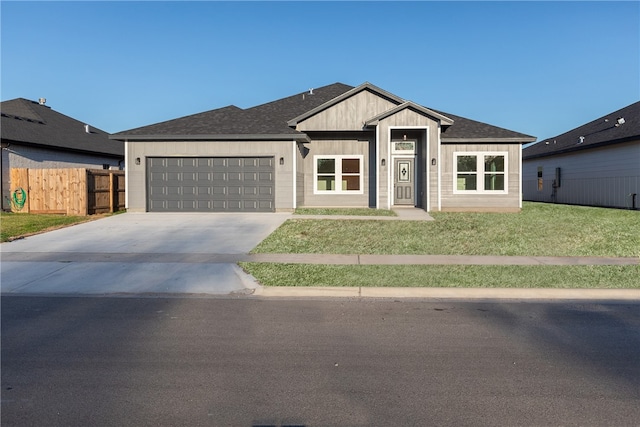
x: 28, y: 122
x: 599, y: 132
x: 271, y: 119
x: 471, y: 130
x: 266, y: 119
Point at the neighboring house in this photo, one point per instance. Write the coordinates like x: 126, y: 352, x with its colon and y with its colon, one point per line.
x: 596, y: 164
x: 336, y: 146
x: 36, y: 137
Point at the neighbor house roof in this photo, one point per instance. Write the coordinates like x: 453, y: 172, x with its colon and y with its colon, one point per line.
x: 277, y: 119
x: 32, y: 123
x: 619, y: 126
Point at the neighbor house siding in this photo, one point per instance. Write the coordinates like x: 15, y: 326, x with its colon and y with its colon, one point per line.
x: 137, y: 186
x: 481, y: 201
x: 605, y: 176
x: 30, y: 157
x: 348, y: 115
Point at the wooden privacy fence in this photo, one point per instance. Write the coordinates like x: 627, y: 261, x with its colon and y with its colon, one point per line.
x: 75, y: 191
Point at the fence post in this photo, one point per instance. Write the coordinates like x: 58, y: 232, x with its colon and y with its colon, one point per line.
x: 112, y: 192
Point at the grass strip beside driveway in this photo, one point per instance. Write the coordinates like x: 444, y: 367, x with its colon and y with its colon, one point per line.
x: 16, y: 225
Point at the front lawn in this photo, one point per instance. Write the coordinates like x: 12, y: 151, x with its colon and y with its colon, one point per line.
x: 539, y: 230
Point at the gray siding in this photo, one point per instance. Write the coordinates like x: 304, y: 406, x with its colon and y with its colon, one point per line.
x: 136, y: 174
x: 481, y: 201
x: 348, y: 115
x: 24, y: 156
x: 605, y: 176
x: 338, y: 146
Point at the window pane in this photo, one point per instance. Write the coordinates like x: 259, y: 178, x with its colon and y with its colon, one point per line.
x: 467, y: 164
x: 326, y: 166
x: 494, y: 163
x: 494, y: 182
x: 350, y: 182
x: 467, y: 181
x: 326, y: 183
x: 350, y: 166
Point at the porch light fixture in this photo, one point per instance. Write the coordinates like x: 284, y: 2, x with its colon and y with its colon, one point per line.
x: 281, y: 161
x: 383, y: 162
x: 433, y: 161
x: 137, y: 160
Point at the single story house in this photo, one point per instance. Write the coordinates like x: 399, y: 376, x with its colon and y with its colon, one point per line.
x: 596, y: 164
x: 335, y: 146
x: 34, y: 136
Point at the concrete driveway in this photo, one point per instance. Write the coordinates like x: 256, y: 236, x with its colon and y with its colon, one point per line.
x: 138, y: 253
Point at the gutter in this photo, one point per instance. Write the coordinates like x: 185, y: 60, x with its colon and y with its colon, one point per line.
x: 214, y: 137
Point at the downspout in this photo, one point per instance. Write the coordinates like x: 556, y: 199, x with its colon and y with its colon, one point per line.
x: 295, y: 173
x: 378, y: 166
x: 126, y: 174
x: 439, y: 163
x: 520, y: 175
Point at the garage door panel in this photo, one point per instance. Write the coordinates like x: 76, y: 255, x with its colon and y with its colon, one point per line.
x: 211, y: 184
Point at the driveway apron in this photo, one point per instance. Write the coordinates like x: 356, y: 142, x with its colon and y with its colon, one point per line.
x: 138, y: 253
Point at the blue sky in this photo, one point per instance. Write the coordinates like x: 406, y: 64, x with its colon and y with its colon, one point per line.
x: 539, y: 68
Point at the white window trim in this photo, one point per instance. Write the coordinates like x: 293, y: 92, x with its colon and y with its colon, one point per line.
x: 338, y: 158
x: 480, y: 171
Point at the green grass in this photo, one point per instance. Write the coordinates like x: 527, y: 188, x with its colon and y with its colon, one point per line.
x: 539, y: 230
x: 345, y: 211
x: 15, y: 225
x: 461, y: 276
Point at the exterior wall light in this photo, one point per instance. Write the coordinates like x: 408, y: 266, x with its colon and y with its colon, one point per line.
x: 383, y: 162
x: 281, y: 161
x: 433, y: 161
x: 137, y: 160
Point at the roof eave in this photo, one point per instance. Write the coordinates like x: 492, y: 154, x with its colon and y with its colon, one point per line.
x: 213, y: 137
x: 579, y: 148
x: 516, y: 139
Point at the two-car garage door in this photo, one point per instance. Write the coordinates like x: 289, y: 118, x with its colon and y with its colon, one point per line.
x: 210, y: 184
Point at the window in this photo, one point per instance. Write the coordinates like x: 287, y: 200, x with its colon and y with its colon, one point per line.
x: 540, y: 183
x: 480, y: 172
x: 338, y: 174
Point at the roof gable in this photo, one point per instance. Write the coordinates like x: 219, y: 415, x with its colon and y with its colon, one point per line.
x: 604, y: 130
x: 28, y: 122
x: 382, y: 95
x: 444, y: 120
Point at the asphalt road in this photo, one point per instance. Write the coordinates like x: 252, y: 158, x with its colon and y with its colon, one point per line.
x: 252, y: 362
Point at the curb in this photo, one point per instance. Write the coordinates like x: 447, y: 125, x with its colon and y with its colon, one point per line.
x: 622, y: 295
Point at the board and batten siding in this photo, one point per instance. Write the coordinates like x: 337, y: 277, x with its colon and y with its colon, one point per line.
x: 347, y: 115
x: 332, y: 147
x: 604, y: 176
x: 481, y: 201
x: 136, y: 174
